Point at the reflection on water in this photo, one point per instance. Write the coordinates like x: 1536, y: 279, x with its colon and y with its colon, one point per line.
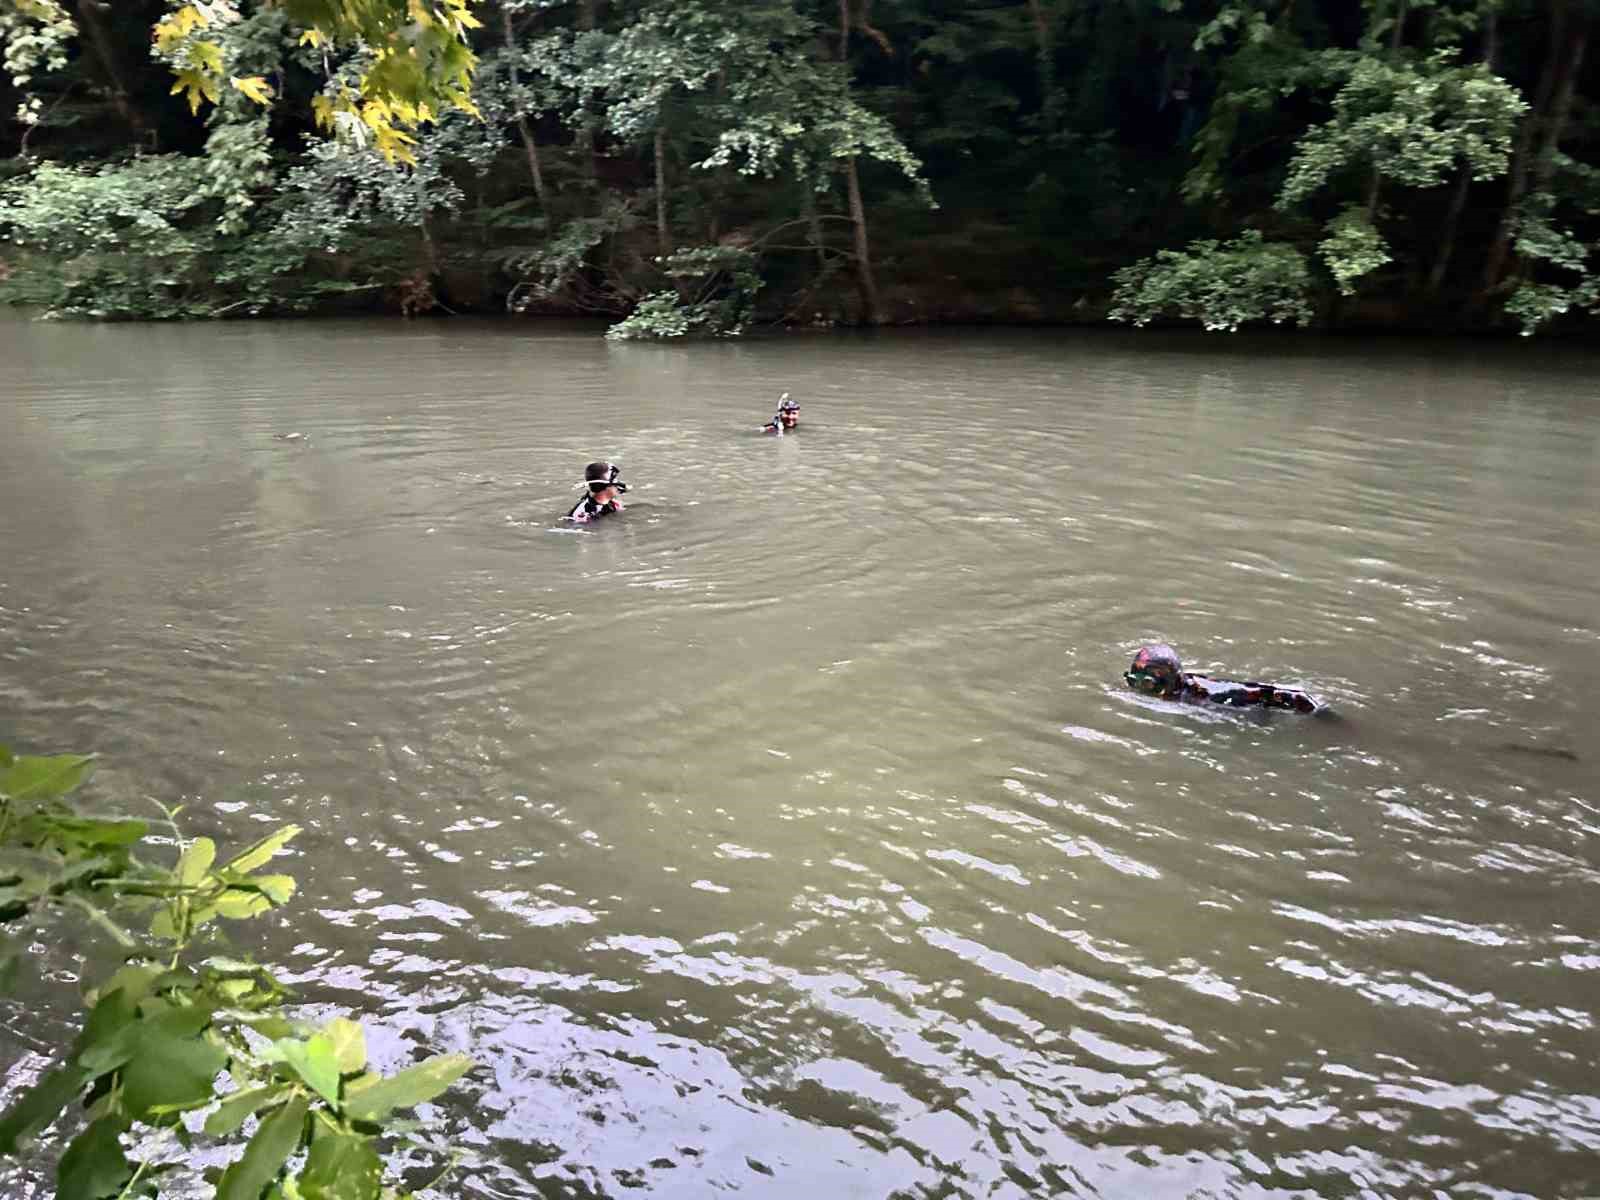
x: 791, y: 834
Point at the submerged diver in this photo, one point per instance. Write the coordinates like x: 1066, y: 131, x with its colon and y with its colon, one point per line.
x: 600, y: 478
x: 1156, y: 671
x: 786, y: 418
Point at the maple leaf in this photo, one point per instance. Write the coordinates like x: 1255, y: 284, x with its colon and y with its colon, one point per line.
x: 254, y: 87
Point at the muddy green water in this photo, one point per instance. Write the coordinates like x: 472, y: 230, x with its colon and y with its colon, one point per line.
x: 791, y: 835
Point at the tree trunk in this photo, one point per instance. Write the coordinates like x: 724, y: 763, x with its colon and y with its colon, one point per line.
x: 530, y: 146
x: 871, y: 310
x: 1447, y: 239
x: 88, y: 14
x: 1561, y: 107
x: 1041, y: 23
x: 430, y: 248
x: 1494, y: 265
x: 534, y: 167
x: 663, y: 238
x: 1396, y: 38
x: 588, y: 20
x: 814, y: 225
x: 1049, y: 105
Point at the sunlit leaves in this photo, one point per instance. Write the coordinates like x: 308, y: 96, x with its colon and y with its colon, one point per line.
x: 415, y: 1085
x: 314, y: 1060
x: 262, y: 852
x: 184, y: 38
x: 1412, y: 125
x: 1353, y: 248
x: 177, y: 25
x: 195, y: 863
x: 1222, y: 285
x: 416, y: 60
x: 349, y: 1045
x: 253, y: 87
x: 715, y: 295
x: 34, y: 40
x: 194, y: 87
x: 417, y: 64
x: 1558, y: 255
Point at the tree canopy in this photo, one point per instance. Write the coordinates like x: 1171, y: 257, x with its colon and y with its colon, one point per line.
x: 697, y: 165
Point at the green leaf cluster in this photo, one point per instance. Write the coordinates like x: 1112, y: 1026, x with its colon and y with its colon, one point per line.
x: 1412, y: 124
x: 1353, y: 248
x: 1223, y: 285
x: 715, y: 295
x: 338, y: 155
x: 176, y: 1028
x: 1567, y: 281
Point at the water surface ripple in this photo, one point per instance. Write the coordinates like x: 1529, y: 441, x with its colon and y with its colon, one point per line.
x: 790, y: 836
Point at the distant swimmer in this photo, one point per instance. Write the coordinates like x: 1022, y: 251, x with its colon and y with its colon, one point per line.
x: 603, y: 487
x: 1156, y: 671
x: 787, y: 418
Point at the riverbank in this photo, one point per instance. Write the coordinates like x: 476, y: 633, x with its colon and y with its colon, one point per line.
x: 906, y: 301
x: 981, y: 290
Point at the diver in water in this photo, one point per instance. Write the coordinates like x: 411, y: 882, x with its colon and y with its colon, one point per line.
x: 787, y: 418
x: 603, y: 488
x: 1156, y: 671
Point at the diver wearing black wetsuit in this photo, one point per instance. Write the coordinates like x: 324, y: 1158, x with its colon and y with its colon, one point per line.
x: 786, y: 418
x: 1156, y: 671
x: 600, y: 478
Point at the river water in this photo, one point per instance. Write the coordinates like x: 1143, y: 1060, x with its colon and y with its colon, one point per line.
x: 791, y: 834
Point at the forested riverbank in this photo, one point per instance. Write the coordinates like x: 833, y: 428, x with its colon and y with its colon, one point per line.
x: 704, y: 166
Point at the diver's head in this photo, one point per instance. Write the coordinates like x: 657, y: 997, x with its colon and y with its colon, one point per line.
x: 1155, y: 671
x: 603, y: 482
x: 788, y: 411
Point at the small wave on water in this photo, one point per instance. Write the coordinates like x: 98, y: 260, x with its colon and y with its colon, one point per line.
x: 791, y: 834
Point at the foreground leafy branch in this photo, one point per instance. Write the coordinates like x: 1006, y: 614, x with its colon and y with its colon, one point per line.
x: 174, y: 1019
x: 417, y: 62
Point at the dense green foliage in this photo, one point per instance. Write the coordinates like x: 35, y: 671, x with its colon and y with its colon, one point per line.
x: 1221, y: 286
x: 698, y: 165
x: 173, y: 1015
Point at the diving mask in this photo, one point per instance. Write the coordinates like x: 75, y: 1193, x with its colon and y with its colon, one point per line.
x: 609, y: 480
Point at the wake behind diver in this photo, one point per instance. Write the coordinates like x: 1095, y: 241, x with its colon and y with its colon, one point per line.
x: 1157, y: 671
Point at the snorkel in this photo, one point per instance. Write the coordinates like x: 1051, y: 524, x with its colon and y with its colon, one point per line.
x: 1155, y: 671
